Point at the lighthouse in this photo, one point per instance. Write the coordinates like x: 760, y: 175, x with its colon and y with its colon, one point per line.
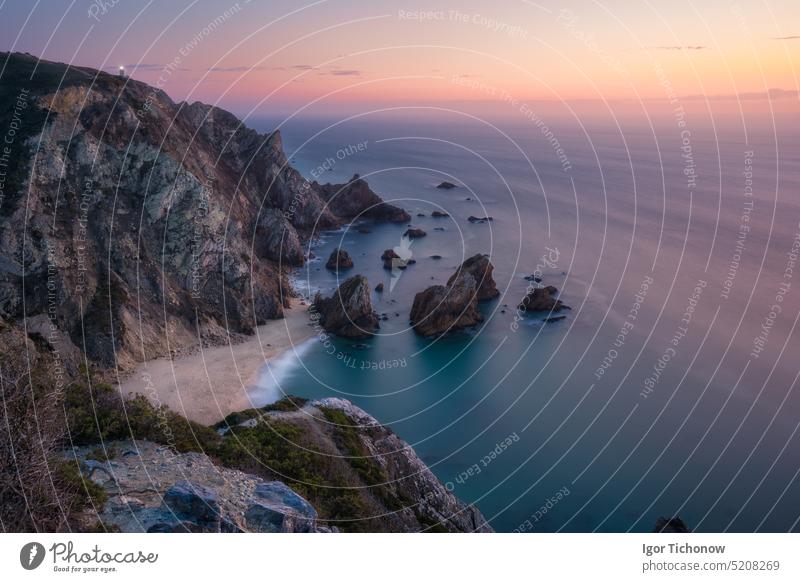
x: 121, y: 72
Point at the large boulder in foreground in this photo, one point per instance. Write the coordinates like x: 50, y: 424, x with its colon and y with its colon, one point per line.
x: 542, y: 299
x: 348, y: 313
x: 443, y: 308
x: 481, y: 270
x: 150, y: 488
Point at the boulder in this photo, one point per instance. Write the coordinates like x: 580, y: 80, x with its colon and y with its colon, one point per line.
x: 481, y: 270
x: 439, y: 214
x: 339, y: 261
x: 480, y: 219
x: 446, y: 186
x: 192, y: 502
x: 279, y: 509
x: 348, y: 313
x: 379, y: 287
x: 542, y: 299
x: 415, y: 233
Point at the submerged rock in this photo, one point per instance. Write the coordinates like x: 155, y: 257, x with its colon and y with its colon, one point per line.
x: 671, y: 525
x: 480, y: 219
x: 339, y: 261
x: 542, y: 299
x: 348, y: 313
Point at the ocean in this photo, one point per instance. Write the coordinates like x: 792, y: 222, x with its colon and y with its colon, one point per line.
x: 669, y: 389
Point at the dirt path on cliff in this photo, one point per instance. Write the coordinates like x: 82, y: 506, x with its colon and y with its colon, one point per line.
x: 208, y: 385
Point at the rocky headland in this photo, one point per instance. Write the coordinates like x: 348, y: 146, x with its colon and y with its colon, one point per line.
x: 134, y: 227
x: 152, y: 222
x: 260, y: 472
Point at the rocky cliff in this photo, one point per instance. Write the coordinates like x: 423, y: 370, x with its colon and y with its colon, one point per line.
x: 149, y: 223
x: 293, y: 467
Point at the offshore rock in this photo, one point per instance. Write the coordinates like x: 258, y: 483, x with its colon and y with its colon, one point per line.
x: 339, y: 261
x: 348, y: 313
x: 542, y: 299
x: 481, y: 270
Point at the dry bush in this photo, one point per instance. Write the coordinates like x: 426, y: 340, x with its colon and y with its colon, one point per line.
x: 35, y: 492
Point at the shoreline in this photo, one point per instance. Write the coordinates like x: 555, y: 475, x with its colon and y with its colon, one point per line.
x: 207, y: 385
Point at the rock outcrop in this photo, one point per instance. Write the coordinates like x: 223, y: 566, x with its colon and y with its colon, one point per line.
x: 405, y: 476
x: 444, y: 308
x: 414, y: 233
x: 355, y: 199
x: 260, y: 475
x: 348, y: 313
x: 439, y: 214
x: 541, y: 299
x: 339, y: 261
x: 481, y: 270
x: 391, y: 260
x: 441, y: 309
x: 164, y: 221
x: 149, y: 488
x: 671, y: 525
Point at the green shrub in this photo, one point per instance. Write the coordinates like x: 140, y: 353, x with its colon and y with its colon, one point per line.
x: 98, y: 413
x: 87, y: 491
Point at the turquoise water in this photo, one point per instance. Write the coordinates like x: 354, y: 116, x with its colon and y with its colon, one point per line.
x: 647, y: 399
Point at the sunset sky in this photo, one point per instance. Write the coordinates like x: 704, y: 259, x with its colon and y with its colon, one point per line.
x: 258, y: 56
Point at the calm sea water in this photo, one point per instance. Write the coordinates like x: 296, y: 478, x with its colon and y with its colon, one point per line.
x: 669, y: 389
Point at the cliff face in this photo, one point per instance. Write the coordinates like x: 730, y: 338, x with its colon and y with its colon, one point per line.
x: 148, y: 223
x: 371, y: 479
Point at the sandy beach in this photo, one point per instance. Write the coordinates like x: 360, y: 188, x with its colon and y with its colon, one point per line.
x: 208, y: 385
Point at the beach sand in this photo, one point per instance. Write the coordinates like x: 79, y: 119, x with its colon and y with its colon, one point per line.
x: 208, y: 385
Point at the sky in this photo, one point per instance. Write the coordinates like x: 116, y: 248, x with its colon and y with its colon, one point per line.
x: 276, y: 55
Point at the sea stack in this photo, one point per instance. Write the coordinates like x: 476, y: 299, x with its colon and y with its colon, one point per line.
x: 481, y: 270
x: 339, y: 261
x: 444, y: 308
x: 542, y: 299
x: 348, y: 313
